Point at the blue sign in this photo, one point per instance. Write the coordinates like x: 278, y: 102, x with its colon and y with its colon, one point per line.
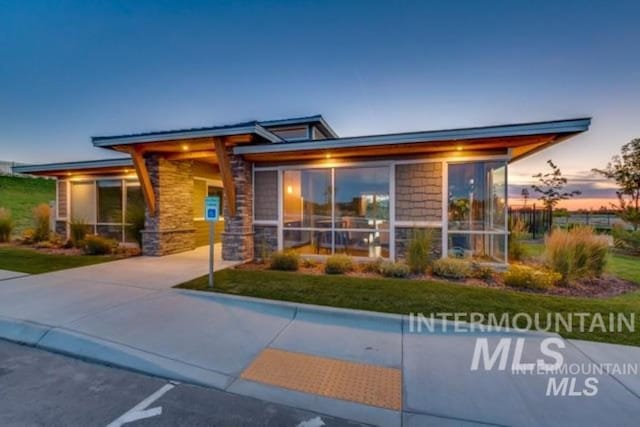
x: 212, y: 208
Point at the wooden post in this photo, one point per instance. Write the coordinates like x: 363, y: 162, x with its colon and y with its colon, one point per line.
x: 227, y: 175
x: 145, y: 181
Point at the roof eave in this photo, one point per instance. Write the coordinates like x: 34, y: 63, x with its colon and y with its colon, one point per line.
x: 70, y: 166
x: 560, y: 127
x: 106, y: 142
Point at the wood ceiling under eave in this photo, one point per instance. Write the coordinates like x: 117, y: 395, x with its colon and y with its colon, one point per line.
x: 522, y: 143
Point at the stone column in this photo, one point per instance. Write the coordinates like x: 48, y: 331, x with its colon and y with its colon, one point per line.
x: 237, y: 239
x: 171, y: 229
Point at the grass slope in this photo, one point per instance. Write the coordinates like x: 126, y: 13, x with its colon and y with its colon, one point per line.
x: 20, y: 195
x: 33, y: 262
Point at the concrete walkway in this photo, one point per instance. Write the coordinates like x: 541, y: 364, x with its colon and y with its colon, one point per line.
x: 6, y: 274
x: 146, y: 271
x: 208, y: 339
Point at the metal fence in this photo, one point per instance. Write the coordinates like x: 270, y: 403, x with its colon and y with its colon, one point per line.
x: 539, y: 220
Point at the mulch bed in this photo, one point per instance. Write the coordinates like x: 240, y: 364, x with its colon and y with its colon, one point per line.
x: 605, y: 286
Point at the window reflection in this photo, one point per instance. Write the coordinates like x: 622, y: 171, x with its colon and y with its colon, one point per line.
x: 307, y: 198
x: 477, y: 196
x: 356, y: 224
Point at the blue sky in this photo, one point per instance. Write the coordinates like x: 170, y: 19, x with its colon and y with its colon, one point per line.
x: 71, y: 70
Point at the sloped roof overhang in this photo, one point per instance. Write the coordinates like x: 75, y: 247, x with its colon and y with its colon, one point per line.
x: 252, y: 129
x: 524, y: 138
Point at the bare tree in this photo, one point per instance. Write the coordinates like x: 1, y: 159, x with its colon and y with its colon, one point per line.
x: 551, y: 185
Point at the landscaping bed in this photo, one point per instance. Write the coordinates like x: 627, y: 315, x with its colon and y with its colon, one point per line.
x: 607, y: 285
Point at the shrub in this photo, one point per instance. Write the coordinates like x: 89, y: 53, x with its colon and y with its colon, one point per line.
x: 135, y: 219
x: 41, y: 216
x: 576, y: 253
x: 309, y: 263
x: 394, y: 269
x: 98, y: 245
x: 482, y: 272
x: 6, y: 225
x: 419, y: 251
x: 286, y: 261
x: 78, y: 229
x: 525, y: 277
x: 27, y: 236
x: 517, y: 233
x: 452, y: 268
x: 626, y: 240
x: 372, y: 266
x: 338, y: 264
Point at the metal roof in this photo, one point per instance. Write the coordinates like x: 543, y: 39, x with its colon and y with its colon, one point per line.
x: 519, y: 129
x: 318, y: 120
x: 67, y: 166
x: 252, y: 127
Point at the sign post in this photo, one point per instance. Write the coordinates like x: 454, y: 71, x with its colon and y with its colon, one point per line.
x: 211, y: 215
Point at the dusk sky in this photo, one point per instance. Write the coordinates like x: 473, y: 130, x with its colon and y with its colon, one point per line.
x: 71, y: 70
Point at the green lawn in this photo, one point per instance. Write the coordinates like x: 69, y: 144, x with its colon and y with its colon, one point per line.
x: 20, y: 195
x: 33, y: 262
x: 407, y: 296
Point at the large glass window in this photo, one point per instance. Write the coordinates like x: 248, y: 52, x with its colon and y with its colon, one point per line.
x: 307, y: 198
x: 357, y: 223
x: 83, y: 206
x: 362, y: 211
x: 477, y: 215
x: 109, y: 201
x: 108, y: 206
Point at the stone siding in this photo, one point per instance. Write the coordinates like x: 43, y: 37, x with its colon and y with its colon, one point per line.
x: 265, y: 241
x: 266, y: 195
x: 171, y: 229
x: 419, y: 192
x: 403, y: 239
x: 61, y: 228
x: 237, y: 239
x: 62, y: 199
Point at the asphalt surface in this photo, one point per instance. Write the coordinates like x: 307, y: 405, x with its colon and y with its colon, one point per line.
x: 38, y: 388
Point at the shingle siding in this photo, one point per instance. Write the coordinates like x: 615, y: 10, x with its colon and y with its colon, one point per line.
x: 419, y: 192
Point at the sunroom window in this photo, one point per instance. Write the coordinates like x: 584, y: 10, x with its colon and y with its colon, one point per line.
x: 337, y: 210
x: 477, y: 211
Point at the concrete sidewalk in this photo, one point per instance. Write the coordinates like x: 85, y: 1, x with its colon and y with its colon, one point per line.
x: 147, y: 271
x: 6, y: 274
x: 211, y: 339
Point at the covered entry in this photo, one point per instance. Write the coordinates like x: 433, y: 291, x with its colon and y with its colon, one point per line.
x: 177, y: 170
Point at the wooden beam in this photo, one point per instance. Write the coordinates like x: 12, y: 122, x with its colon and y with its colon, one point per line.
x: 145, y: 181
x: 191, y: 155
x: 227, y: 175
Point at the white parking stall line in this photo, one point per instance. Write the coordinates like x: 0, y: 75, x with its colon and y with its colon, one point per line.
x: 140, y: 411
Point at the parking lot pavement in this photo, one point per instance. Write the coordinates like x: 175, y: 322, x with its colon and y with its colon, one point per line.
x: 42, y: 388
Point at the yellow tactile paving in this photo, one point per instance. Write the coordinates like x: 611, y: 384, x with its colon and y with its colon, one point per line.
x: 357, y: 382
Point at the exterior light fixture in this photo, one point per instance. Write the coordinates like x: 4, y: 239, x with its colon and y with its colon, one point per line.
x: 289, y: 189
x: 459, y: 148
x: 328, y: 156
x: 185, y: 147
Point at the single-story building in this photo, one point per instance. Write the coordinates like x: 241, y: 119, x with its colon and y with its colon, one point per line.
x: 295, y: 184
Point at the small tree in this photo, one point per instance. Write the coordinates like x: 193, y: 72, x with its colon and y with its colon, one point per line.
x: 525, y: 196
x: 551, y: 187
x: 624, y: 169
